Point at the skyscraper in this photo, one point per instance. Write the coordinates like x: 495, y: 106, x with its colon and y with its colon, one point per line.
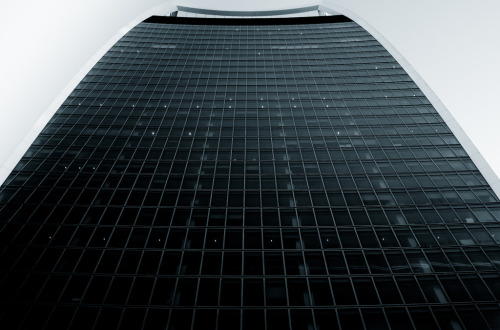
x: 264, y: 173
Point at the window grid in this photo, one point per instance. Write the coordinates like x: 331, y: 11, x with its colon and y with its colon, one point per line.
x: 203, y: 176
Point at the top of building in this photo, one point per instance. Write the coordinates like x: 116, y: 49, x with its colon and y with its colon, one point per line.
x: 247, y: 21
x: 302, y: 15
x: 316, y: 10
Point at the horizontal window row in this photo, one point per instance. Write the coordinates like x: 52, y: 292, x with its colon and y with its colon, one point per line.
x: 271, y: 262
x: 422, y: 118
x: 128, y: 216
x: 214, y: 121
x: 141, y: 181
x: 142, y: 161
x: 71, y: 316
x: 221, y: 37
x: 345, y: 236
x: 234, y: 192
x: 250, y: 124
x: 380, y: 76
x: 242, y: 71
x: 235, y: 140
x: 311, y: 95
x: 387, y: 82
x: 242, y: 191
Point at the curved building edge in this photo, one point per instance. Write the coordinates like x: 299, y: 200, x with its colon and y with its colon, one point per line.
x: 483, y: 166
x: 9, y: 165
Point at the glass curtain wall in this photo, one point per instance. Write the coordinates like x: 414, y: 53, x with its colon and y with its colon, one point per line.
x: 248, y: 174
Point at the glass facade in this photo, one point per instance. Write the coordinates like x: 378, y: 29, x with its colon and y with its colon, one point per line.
x: 238, y: 174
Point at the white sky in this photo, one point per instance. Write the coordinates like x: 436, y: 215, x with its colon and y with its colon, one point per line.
x: 453, y: 44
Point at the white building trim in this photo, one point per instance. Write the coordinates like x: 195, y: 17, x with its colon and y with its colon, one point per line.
x: 7, y: 167
x: 457, y: 130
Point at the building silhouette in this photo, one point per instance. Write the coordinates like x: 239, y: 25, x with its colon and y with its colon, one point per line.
x: 236, y: 173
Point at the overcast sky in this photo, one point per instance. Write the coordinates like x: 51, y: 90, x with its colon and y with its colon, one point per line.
x: 453, y: 44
